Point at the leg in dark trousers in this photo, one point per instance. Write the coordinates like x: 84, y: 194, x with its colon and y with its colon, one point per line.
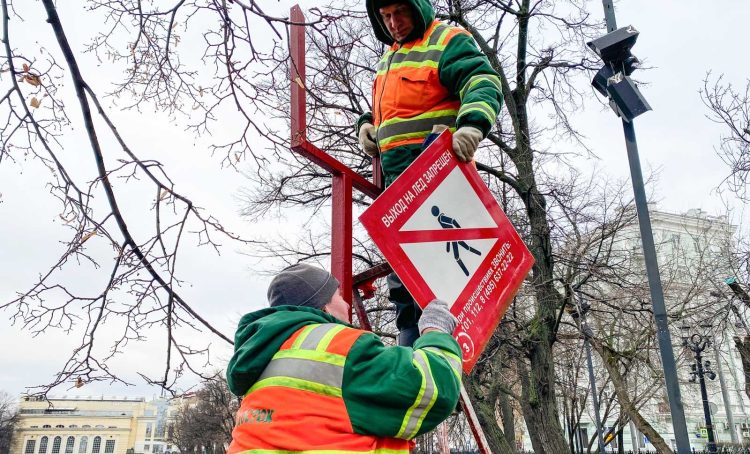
x: 407, y: 311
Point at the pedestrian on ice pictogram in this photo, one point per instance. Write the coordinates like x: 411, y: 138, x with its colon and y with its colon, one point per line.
x: 448, y: 222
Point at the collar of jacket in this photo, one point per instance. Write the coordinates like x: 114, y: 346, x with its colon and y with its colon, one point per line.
x: 259, y: 336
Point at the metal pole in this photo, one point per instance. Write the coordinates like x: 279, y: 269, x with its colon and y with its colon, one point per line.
x: 594, y: 397
x: 657, y: 295
x: 586, y: 331
x: 704, y: 397
x: 609, y: 15
x: 725, y: 396
x: 679, y: 424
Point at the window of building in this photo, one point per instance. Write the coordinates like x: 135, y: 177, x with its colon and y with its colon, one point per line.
x: 160, y: 429
x: 69, y: 445
x: 84, y: 444
x: 60, y: 426
x: 33, y: 427
x: 30, y: 446
x: 56, y: 445
x: 43, y: 445
x: 109, y: 447
x: 96, y: 446
x: 72, y: 426
x: 99, y: 426
x: 86, y: 426
x: 146, y: 448
x: 46, y: 426
x: 149, y: 426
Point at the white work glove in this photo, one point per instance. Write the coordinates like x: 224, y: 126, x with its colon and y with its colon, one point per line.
x: 437, y: 316
x: 465, y: 142
x: 366, y: 139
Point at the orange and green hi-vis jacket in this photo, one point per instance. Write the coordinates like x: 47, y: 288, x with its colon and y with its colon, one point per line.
x: 313, y: 384
x: 437, y: 76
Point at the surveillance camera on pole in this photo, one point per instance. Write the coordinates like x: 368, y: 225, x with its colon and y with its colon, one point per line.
x: 612, y: 79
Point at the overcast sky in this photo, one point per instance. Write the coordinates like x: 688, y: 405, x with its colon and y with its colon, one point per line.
x: 680, y: 40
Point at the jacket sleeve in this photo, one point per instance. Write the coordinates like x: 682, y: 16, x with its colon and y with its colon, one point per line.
x: 465, y: 71
x: 401, y: 392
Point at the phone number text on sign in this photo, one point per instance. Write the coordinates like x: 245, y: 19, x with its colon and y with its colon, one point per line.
x: 487, y: 286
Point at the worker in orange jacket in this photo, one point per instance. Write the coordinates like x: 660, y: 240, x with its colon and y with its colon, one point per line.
x: 432, y: 77
x: 313, y: 383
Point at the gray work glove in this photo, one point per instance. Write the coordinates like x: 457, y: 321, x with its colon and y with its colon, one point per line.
x: 465, y: 142
x: 367, y: 139
x: 437, y: 315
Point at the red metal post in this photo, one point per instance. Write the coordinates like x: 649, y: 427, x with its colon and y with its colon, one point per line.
x: 297, y: 76
x: 341, y: 235
x: 377, y: 173
x: 471, y: 418
x: 364, y: 320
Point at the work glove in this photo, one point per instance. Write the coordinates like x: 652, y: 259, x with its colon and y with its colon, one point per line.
x: 465, y: 142
x: 366, y: 139
x: 438, y: 316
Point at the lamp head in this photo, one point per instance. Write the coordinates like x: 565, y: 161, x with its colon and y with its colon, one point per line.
x: 614, y: 47
x: 627, y: 98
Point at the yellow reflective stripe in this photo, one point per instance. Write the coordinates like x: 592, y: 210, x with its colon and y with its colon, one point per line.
x: 385, y: 142
x: 410, y: 64
x: 437, y: 34
x: 303, y: 335
x: 442, y: 36
x: 411, y: 409
x: 323, y: 357
x: 328, y: 337
x: 481, y: 107
x: 325, y: 451
x: 420, y: 49
x: 453, y: 360
x: 430, y: 114
x: 448, y: 355
x: 432, y: 400
x: 491, y: 78
x: 297, y: 383
x: 414, y: 417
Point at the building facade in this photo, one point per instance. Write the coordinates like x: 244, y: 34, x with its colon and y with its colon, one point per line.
x: 94, y: 425
x: 692, y: 251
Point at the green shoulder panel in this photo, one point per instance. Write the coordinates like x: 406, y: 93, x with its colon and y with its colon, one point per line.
x: 401, y: 392
x: 465, y: 71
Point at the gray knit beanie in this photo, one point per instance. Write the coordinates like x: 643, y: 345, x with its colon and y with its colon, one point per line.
x: 302, y: 285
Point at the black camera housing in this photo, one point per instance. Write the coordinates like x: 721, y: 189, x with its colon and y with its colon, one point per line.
x: 614, y: 47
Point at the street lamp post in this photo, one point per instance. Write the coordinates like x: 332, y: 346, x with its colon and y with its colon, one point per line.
x: 613, y: 81
x: 697, y: 344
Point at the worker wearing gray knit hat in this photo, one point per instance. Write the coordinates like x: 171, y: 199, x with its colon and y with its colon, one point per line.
x: 311, y: 381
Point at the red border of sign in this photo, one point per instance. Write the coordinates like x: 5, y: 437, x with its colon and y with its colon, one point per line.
x: 389, y: 239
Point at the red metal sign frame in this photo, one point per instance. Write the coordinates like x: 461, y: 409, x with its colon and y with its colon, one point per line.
x: 344, y: 181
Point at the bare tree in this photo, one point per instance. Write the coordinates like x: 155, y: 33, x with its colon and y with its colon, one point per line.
x: 206, y: 418
x: 8, y: 421
x: 137, y: 251
x: 730, y: 107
